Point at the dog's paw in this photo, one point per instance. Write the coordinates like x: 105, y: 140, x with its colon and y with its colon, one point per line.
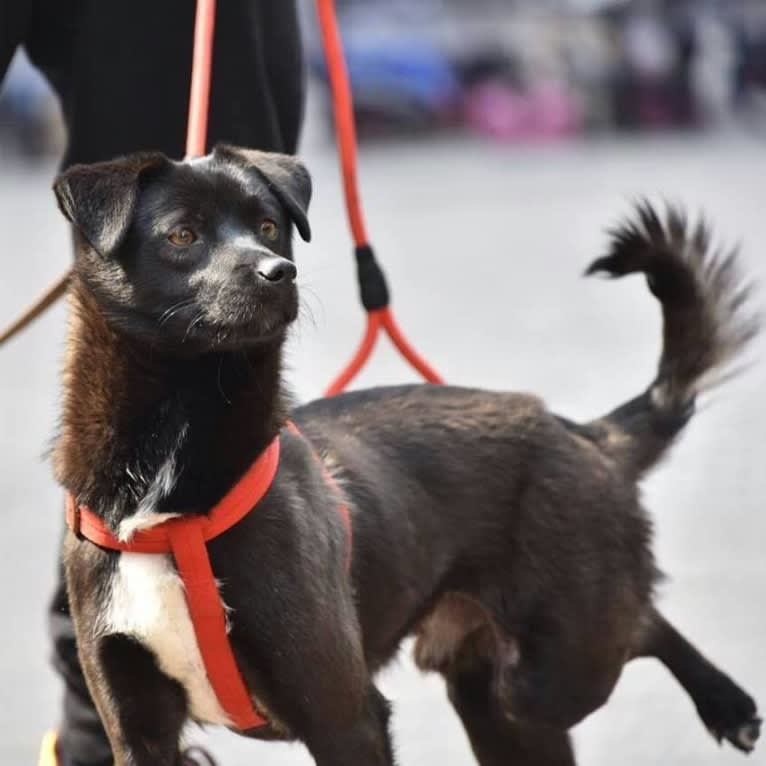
x: 730, y: 714
x: 743, y: 737
x: 746, y: 735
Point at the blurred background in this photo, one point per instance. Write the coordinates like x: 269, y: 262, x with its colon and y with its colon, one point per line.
x: 512, y: 70
x: 544, y: 70
x: 499, y: 140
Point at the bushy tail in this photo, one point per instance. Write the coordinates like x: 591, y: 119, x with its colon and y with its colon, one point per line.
x: 706, y: 324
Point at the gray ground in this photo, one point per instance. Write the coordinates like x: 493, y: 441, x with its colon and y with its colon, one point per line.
x: 484, y: 246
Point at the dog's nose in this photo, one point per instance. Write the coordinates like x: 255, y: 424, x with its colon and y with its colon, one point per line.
x: 276, y: 269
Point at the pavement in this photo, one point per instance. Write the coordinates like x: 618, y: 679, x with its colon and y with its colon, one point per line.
x: 484, y: 246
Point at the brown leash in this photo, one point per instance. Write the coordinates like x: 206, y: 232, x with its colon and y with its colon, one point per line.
x: 47, y: 299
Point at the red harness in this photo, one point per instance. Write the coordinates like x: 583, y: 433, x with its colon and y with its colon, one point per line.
x: 185, y: 538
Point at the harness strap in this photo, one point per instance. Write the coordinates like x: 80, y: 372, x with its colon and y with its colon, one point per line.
x: 234, y: 505
x: 343, y: 509
x: 209, y: 621
x: 185, y: 539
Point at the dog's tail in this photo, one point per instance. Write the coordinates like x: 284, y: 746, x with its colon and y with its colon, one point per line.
x: 707, y: 323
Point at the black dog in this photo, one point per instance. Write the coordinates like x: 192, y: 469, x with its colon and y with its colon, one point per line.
x: 510, y: 541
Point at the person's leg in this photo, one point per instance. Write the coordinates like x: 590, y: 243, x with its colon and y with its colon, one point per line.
x: 81, y: 735
x: 122, y: 72
x: 125, y: 85
x: 15, y: 16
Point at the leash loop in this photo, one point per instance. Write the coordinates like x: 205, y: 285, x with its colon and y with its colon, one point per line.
x: 374, y: 293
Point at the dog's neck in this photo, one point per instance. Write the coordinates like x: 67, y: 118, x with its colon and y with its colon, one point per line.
x: 146, y: 432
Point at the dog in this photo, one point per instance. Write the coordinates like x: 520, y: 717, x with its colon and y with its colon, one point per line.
x: 509, y: 541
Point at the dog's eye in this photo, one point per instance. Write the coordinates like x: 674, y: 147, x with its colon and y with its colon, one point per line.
x: 181, y: 237
x: 269, y: 230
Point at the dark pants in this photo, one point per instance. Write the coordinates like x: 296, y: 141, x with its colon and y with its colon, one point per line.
x: 122, y: 72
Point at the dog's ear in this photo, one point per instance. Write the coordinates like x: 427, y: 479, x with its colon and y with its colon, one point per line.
x: 99, y: 199
x: 286, y: 176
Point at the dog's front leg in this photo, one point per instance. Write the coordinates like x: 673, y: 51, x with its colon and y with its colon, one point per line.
x: 323, y: 692
x: 312, y: 675
x: 362, y: 741
x: 727, y: 711
x: 142, y: 709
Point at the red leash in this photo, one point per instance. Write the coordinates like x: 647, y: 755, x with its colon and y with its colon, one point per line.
x: 374, y: 291
x: 202, y: 62
x: 372, y: 282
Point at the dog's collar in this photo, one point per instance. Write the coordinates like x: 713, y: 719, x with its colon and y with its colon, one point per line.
x: 185, y: 538
x: 234, y: 505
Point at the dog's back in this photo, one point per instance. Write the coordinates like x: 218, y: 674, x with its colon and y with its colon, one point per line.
x: 573, y: 528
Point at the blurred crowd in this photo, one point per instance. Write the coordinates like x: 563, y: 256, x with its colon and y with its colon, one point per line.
x: 522, y: 69
x: 510, y: 69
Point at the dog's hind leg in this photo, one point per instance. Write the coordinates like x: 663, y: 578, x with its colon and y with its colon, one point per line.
x: 514, y: 710
x: 726, y: 710
x: 496, y: 740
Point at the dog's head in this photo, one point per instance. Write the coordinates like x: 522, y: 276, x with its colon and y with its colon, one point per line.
x: 191, y: 255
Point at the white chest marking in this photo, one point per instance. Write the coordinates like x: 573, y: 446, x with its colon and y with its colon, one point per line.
x: 147, y: 601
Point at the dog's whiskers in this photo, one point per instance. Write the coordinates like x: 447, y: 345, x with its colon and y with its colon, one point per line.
x: 194, y: 322
x: 168, y: 314
x: 306, y: 314
x: 305, y: 309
